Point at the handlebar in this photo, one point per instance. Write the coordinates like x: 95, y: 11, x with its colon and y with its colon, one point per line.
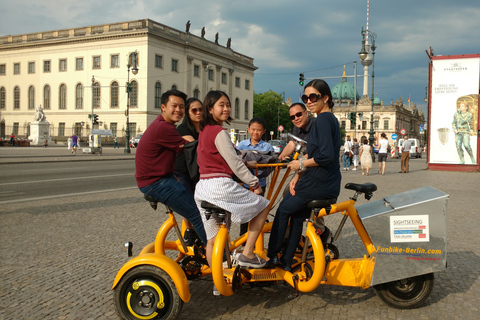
x: 299, y: 143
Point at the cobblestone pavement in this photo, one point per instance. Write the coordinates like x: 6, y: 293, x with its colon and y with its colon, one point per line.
x: 59, y: 258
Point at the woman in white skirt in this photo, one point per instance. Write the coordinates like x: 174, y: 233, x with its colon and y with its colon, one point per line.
x: 366, y: 157
x: 218, y: 162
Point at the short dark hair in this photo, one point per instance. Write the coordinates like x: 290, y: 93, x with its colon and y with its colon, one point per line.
x: 173, y: 92
x: 259, y: 121
x: 323, y: 88
x: 383, y: 135
x: 298, y: 104
x: 186, y: 118
x: 210, y: 99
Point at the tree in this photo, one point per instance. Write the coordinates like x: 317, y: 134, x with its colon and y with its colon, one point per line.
x: 267, y: 106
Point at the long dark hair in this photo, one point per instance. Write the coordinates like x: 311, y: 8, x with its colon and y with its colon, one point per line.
x: 210, y: 99
x: 186, y: 118
x: 323, y: 88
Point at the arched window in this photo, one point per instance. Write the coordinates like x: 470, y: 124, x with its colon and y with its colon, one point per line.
x: 133, y: 94
x: 114, y: 95
x: 79, y: 96
x: 237, y: 108
x: 16, y: 97
x: 196, y: 93
x: 158, y: 95
x: 2, y: 97
x: 46, y: 97
x: 246, y: 110
x: 62, y: 97
x: 96, y: 95
x: 31, y: 97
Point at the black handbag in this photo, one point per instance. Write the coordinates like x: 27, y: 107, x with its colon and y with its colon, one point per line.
x: 190, y: 151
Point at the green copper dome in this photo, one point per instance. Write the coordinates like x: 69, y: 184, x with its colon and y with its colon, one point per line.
x: 344, y: 90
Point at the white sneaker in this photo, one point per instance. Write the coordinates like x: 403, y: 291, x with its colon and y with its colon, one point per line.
x: 215, y: 291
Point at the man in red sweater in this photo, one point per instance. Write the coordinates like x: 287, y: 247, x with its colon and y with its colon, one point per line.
x: 155, y: 161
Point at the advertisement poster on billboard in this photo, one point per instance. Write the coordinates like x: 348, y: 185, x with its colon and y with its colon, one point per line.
x: 454, y: 111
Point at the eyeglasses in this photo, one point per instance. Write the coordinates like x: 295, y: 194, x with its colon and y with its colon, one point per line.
x: 195, y: 110
x: 313, y: 97
x: 296, y: 115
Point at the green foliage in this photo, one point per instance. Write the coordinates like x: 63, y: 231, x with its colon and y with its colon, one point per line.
x: 267, y: 105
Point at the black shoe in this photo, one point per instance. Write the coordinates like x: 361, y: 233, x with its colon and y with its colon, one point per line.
x: 189, y: 237
x: 325, y: 236
x: 272, y: 262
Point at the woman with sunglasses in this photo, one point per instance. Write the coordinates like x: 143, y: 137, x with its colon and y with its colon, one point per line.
x: 188, y: 129
x: 318, y: 175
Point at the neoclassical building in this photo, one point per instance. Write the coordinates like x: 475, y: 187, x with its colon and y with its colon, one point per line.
x: 73, y: 73
x: 389, y: 119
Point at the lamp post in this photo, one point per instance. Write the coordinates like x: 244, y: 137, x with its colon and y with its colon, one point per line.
x: 132, y: 63
x: 366, y: 60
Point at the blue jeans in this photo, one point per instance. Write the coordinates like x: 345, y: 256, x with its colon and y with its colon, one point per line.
x: 346, y: 161
x: 171, y: 193
x: 295, y: 209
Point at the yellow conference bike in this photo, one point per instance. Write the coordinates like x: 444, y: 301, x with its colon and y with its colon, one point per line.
x: 404, y: 237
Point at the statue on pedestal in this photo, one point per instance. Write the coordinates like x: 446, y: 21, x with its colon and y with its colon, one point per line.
x: 39, y: 115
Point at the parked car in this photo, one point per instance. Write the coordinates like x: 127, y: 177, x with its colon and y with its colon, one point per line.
x: 136, y: 140
x: 415, y: 152
x: 278, y: 145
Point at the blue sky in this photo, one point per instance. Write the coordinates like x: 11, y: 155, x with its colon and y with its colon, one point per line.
x: 289, y: 37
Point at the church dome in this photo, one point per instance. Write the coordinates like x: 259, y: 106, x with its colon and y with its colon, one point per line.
x: 344, y: 90
x: 377, y: 101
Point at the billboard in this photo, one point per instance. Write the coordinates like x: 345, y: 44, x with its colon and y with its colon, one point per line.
x: 454, y: 111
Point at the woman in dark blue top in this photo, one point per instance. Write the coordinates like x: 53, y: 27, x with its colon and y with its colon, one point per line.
x: 318, y: 176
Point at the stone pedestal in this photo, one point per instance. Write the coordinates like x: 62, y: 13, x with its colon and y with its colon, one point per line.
x: 39, y: 131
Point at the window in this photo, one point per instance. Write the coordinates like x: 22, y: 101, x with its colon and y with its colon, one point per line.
x: 16, y: 97
x: 31, y: 97
x: 132, y: 127
x: 62, y: 97
x: 96, y: 62
x: 61, y: 129
x: 352, y: 125
x: 78, y: 129
x: 174, y: 65
x: 158, y: 95
x: 210, y: 74
x: 79, y: 96
x: 385, y: 124
x: 364, y: 125
x: 79, y: 64
x: 237, y: 108
x: 46, y: 97
x: 246, y: 110
x: 2, y: 97
x: 224, y: 78
x: 343, y: 124
x: 46, y: 66
x: 196, y: 93
x: 247, y: 84
x: 3, y: 69
x: 158, y: 61
x: 237, y: 82
x: 196, y: 71
x: 16, y: 68
x: 62, y: 65
x: 133, y: 94
x: 31, y: 67
x: 375, y: 125
x: 114, y: 95
x: 96, y: 95
x: 114, y: 62
x: 113, y: 128
x: 15, y: 128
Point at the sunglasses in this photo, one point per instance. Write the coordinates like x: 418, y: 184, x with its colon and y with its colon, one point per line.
x: 195, y: 110
x: 313, y: 97
x: 296, y: 115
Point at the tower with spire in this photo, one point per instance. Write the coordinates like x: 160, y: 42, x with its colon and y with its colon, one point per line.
x: 368, y: 61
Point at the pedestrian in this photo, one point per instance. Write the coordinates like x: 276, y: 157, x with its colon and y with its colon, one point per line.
x: 155, y: 161
x: 256, y: 129
x: 115, y: 142
x: 382, y: 153
x: 405, y: 149
x: 355, y: 151
x: 366, y: 157
x: 69, y: 143
x: 347, y: 153
x: 318, y: 176
x: 12, y: 140
x: 74, y: 143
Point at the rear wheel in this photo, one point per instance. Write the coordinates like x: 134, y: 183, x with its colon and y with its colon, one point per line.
x: 406, y: 293
x: 147, y: 292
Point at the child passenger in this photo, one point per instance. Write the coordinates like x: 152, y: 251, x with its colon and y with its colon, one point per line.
x: 218, y: 162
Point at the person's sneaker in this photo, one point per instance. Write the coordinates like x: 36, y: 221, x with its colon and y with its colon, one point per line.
x: 189, y: 237
x: 215, y: 291
x: 255, y: 262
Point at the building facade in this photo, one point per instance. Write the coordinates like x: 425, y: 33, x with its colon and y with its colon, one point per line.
x: 74, y: 73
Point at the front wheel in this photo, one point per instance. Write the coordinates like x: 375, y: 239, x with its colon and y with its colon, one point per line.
x: 406, y: 293
x: 147, y: 292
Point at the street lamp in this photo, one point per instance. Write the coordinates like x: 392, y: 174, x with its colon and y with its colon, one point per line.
x: 366, y: 60
x: 132, y: 63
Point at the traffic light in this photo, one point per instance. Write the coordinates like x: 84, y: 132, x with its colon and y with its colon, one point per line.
x: 95, y: 119
x: 128, y: 89
x: 301, y: 79
x: 353, y: 117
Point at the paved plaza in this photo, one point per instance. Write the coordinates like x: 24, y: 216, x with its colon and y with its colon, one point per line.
x: 59, y: 257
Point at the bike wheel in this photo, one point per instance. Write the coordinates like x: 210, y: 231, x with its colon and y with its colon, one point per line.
x: 406, y: 293
x: 147, y: 292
